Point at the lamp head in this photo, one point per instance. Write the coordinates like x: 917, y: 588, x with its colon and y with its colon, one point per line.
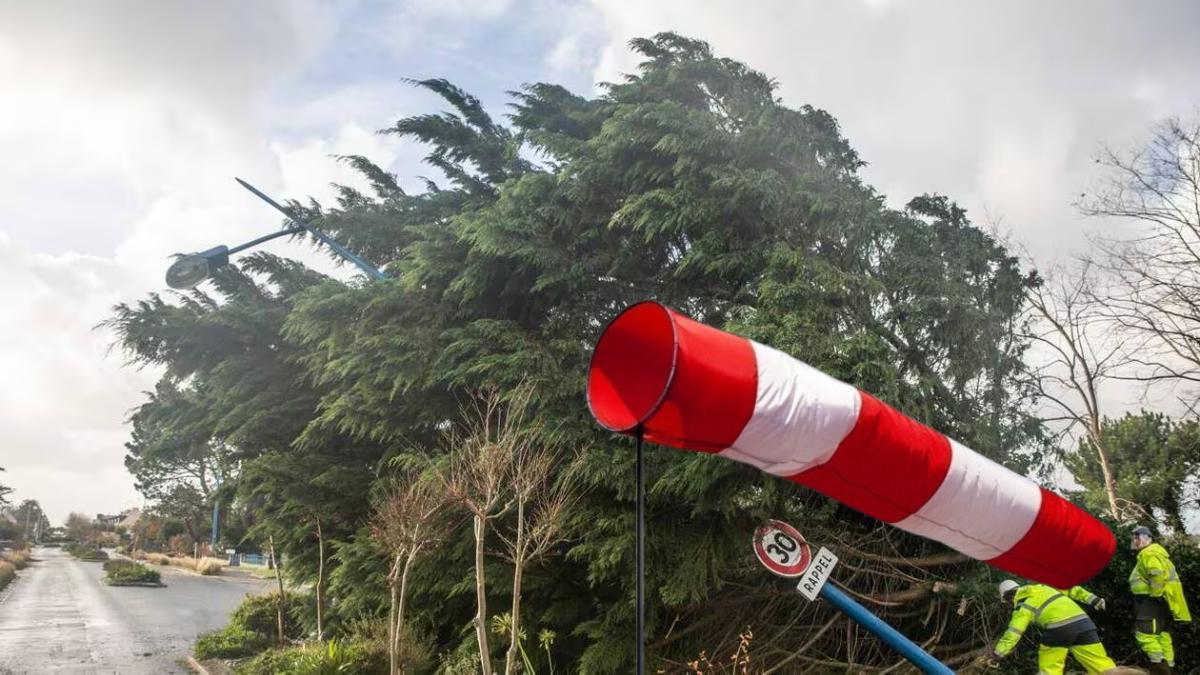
x: 189, y: 270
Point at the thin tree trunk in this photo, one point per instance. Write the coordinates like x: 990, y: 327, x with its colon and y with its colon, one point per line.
x: 393, y: 618
x: 279, y: 580
x: 485, y: 659
x: 400, y: 601
x: 510, y: 659
x: 404, y: 587
x: 320, y: 582
x: 1110, y: 483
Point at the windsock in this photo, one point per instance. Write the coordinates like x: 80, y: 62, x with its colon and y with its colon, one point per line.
x: 691, y: 386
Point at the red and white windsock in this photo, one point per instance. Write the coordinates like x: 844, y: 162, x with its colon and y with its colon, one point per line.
x: 695, y: 387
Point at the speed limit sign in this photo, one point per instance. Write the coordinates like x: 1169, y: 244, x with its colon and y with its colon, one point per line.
x: 781, y: 549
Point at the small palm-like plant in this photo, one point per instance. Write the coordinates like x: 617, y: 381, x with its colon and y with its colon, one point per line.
x: 502, y: 625
x: 546, y: 641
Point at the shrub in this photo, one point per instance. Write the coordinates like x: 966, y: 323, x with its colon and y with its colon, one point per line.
x: 128, y: 572
x: 258, y: 613
x: 209, y: 566
x: 7, y: 573
x: 252, y: 628
x: 87, y: 553
x: 18, y: 559
x: 318, y: 658
x: 370, y: 635
x: 231, y: 642
x: 268, y: 663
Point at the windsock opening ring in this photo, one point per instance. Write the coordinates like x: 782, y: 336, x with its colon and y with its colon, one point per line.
x: 683, y: 383
x: 624, y: 392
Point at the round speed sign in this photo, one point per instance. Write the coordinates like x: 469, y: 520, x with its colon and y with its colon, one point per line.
x: 781, y: 549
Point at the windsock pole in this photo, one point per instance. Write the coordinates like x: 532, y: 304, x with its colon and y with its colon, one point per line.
x: 640, y: 554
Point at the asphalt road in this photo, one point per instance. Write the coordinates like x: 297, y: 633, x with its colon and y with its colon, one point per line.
x: 58, y: 616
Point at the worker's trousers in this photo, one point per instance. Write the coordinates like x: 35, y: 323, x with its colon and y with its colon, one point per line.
x: 1052, y: 660
x: 1151, y: 626
x: 1157, y: 646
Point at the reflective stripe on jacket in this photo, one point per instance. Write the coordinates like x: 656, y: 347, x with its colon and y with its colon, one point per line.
x: 1154, y: 575
x: 1045, y: 607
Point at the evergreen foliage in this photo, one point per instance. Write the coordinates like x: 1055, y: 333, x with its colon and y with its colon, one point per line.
x: 1155, y: 461
x: 688, y: 182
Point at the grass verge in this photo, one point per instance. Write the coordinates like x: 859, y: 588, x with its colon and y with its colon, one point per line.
x: 205, y: 566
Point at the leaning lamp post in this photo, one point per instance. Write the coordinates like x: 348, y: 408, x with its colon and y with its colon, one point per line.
x: 191, y: 269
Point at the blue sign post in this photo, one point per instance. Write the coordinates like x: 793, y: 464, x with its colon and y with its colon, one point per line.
x: 907, y: 648
x: 781, y: 549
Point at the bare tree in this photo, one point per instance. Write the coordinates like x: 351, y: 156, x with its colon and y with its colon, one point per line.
x: 479, y: 477
x: 543, y: 492
x: 1082, y: 355
x: 409, y: 520
x: 1156, y: 300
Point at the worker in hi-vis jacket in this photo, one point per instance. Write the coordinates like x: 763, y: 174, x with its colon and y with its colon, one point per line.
x: 1157, y: 600
x: 1065, y: 627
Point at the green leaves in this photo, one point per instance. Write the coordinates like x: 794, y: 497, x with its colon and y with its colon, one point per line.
x: 688, y: 182
x: 1155, y: 462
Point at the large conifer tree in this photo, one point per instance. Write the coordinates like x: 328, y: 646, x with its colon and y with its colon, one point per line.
x: 689, y: 182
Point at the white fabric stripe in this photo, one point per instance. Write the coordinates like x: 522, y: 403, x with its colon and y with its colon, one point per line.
x: 800, y: 416
x: 981, y: 508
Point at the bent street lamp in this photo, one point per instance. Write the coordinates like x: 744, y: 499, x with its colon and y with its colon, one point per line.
x: 189, y: 270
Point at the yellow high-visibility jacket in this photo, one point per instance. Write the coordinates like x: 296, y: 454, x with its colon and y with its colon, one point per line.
x: 1155, y: 575
x: 1045, y: 607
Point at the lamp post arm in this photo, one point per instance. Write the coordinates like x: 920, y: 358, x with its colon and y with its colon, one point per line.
x: 266, y: 237
x: 365, y: 266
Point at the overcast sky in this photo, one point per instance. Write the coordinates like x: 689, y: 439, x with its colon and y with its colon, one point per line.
x: 122, y: 125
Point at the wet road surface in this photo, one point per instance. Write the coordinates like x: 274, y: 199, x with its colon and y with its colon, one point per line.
x: 58, y: 616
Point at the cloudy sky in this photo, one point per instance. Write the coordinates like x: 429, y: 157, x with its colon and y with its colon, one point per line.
x: 123, y: 123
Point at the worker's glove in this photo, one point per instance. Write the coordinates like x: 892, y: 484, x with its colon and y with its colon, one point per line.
x: 991, y: 661
x: 1101, y: 604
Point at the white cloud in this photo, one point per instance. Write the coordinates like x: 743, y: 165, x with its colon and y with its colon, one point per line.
x: 123, y: 126
x: 62, y: 401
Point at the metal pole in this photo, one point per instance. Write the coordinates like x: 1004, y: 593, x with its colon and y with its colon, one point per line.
x: 216, y: 524
x: 640, y: 553
x: 216, y: 518
x: 265, y: 237
x: 365, y: 266
x: 907, y: 648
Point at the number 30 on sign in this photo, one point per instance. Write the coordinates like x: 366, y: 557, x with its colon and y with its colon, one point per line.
x: 781, y: 549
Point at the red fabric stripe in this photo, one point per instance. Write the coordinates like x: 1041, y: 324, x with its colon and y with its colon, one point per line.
x: 1065, y: 546
x: 887, y: 467
x: 632, y: 366
x: 713, y: 393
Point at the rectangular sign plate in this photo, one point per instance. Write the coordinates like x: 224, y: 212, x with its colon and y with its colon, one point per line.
x: 817, y: 573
